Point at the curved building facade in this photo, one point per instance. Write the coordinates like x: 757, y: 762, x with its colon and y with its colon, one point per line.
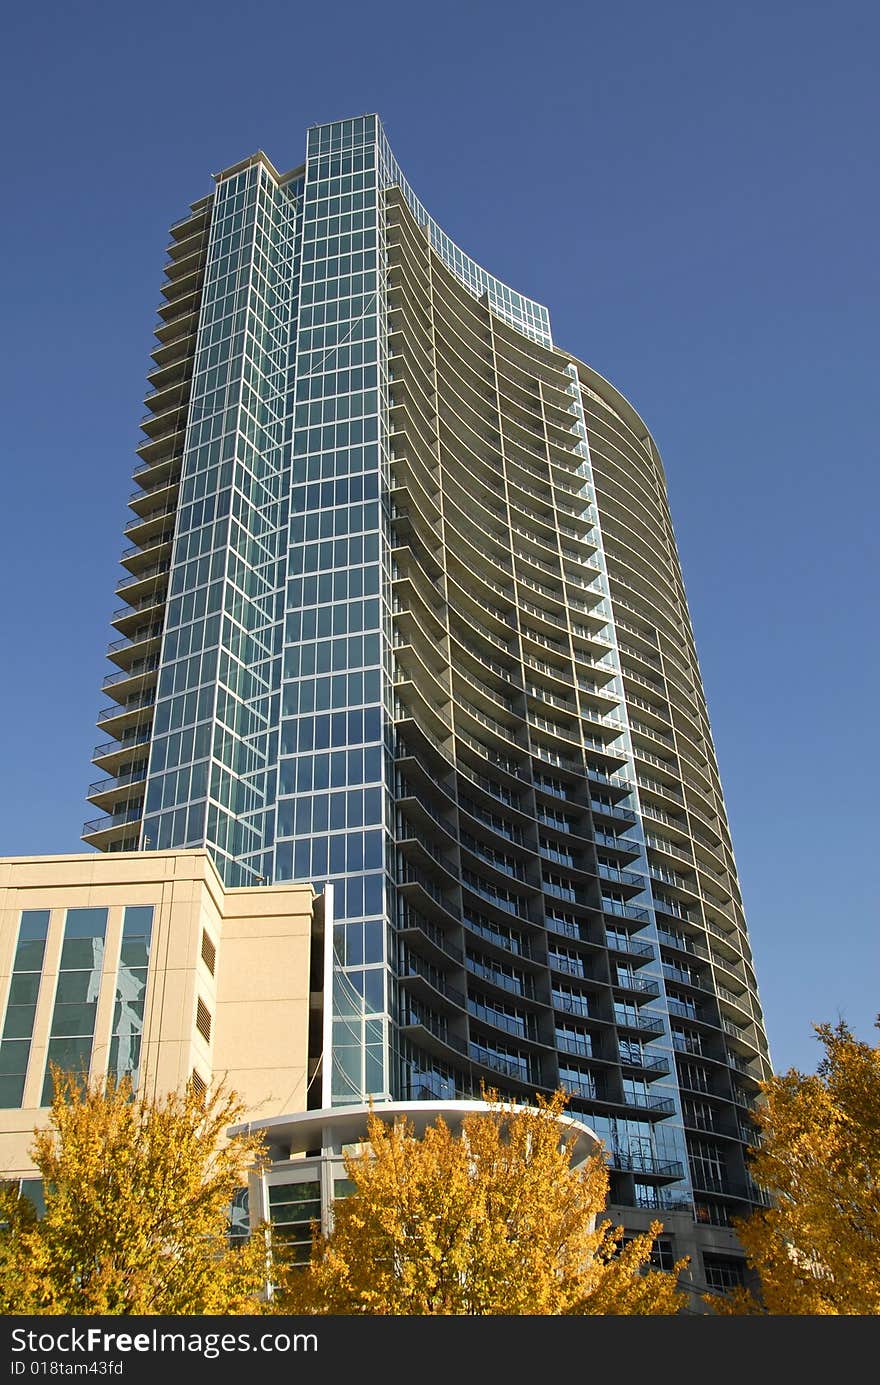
x: 403, y: 613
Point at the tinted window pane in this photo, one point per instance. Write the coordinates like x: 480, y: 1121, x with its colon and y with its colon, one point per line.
x: 19, y: 1022
x: 29, y: 955
x: 14, y: 1056
x: 11, y: 1090
x: 34, y: 924
x: 85, y: 923
x: 74, y: 1020
x: 24, y: 989
x: 86, y: 953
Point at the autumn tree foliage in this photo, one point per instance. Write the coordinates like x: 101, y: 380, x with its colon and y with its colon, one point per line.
x: 493, y: 1220
x: 817, y: 1249
x: 17, y: 1218
x: 137, y: 1200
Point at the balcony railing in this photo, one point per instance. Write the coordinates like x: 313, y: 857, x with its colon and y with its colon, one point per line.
x: 626, y: 911
x: 517, y: 1027
x: 135, y: 580
x: 137, y: 670
x: 154, y: 542
x: 622, y: 942
x: 643, y: 1024
x: 572, y: 966
x: 119, y: 781
x: 411, y: 918
x: 683, y: 943
x: 623, y: 877
x: 149, y: 632
x: 645, y: 1102
x: 572, y: 1005
x: 612, y: 810
x: 519, y: 947
x: 435, y: 1026
x: 582, y: 1091
x: 520, y: 1071
x: 414, y: 966
x: 120, y: 747
x: 632, y: 1162
x: 643, y: 985
x: 121, y: 709
x: 113, y: 820
x: 654, y: 1066
x: 515, y: 985
x: 146, y: 603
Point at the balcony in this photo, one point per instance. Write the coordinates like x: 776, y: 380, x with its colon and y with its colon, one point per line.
x: 654, y: 1105
x: 644, y: 781
x: 577, y: 1048
x: 647, y: 988
x: 425, y: 982
x: 122, y: 747
x: 131, y: 682
x: 516, y: 1027
x: 143, y: 635
x: 683, y: 943
x: 415, y: 928
x: 612, y: 810
x: 650, y: 1067
x: 573, y: 1005
x: 167, y: 424
x: 139, y: 558
x: 146, y: 529
x: 614, y: 908
x: 140, y: 582
x: 110, y: 788
x: 519, y: 1071
x: 621, y: 877
x: 419, y: 852
x: 104, y: 831
x: 129, y: 618
x: 521, y: 987
x: 719, y: 1185
x: 566, y: 928
x: 508, y: 943
x: 600, y: 775
x: 640, y: 1024
x: 432, y: 1033
x: 681, y: 1008
x: 137, y: 670
x: 744, y: 1065
x: 622, y: 844
x: 569, y: 966
x: 145, y: 493
x: 739, y: 1002
x: 115, y: 717
x: 629, y: 946
x: 645, y: 1165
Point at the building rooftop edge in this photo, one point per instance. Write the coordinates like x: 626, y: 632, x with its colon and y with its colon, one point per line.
x: 107, y: 859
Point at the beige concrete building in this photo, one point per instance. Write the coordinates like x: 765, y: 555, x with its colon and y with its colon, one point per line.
x: 143, y: 962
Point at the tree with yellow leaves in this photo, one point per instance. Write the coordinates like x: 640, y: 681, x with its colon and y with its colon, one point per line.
x: 817, y: 1249
x: 17, y: 1218
x: 137, y: 1201
x: 491, y: 1221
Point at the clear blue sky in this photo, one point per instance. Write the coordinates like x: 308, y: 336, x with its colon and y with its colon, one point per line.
x: 691, y: 188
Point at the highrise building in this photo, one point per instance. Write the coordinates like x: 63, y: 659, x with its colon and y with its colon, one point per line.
x: 403, y: 612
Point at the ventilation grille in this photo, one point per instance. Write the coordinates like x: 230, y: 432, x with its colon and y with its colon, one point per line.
x: 203, y: 1021
x: 209, y: 952
x: 198, y: 1084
